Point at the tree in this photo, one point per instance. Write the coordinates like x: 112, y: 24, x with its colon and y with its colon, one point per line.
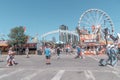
x: 17, y: 36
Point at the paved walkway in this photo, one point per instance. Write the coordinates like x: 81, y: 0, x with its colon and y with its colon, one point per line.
x: 65, y: 68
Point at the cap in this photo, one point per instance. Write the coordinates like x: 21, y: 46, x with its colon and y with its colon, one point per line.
x: 108, y: 45
x: 112, y: 46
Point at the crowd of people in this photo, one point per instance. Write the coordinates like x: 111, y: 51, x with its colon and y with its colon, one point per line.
x: 112, y: 51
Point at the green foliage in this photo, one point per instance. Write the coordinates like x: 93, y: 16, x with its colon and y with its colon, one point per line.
x: 17, y: 36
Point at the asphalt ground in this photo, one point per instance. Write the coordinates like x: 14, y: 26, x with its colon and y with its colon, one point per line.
x: 65, y: 68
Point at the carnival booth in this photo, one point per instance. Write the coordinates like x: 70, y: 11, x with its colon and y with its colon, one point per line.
x: 4, y: 46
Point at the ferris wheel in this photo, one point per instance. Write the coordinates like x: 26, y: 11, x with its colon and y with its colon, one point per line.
x: 95, y: 18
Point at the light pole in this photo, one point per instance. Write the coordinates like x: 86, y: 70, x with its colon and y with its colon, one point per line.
x: 59, y: 35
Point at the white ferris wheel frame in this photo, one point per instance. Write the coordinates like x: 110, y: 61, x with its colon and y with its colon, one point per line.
x: 97, y: 19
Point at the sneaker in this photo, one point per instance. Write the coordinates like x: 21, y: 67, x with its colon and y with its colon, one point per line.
x: 7, y: 65
x: 114, y: 65
x: 48, y: 63
x: 15, y: 63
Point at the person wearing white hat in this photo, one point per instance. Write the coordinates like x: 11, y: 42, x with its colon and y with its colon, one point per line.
x: 113, y: 54
x: 112, y: 46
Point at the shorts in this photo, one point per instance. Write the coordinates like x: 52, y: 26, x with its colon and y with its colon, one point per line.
x: 9, y: 57
x: 47, y: 57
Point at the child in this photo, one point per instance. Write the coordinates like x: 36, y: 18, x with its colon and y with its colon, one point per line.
x: 58, y: 52
x: 47, y: 54
x: 10, y: 57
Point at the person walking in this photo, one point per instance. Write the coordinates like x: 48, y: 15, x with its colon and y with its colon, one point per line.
x: 78, y: 52
x: 47, y: 54
x: 118, y: 48
x: 108, y: 54
x: 0, y: 51
x: 113, y: 53
x: 58, y: 52
x: 82, y: 53
x: 27, y: 52
x: 1, y: 54
x: 10, y: 57
x: 66, y: 50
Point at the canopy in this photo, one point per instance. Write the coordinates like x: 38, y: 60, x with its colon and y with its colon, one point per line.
x: 3, y: 43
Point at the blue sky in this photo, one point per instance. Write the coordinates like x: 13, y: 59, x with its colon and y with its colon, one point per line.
x: 41, y: 16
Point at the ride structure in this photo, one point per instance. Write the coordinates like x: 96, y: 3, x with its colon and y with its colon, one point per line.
x: 73, y: 35
x: 95, y: 27
x: 92, y: 25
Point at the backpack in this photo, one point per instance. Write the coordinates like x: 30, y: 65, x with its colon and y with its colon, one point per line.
x: 113, y: 51
x: 103, y: 62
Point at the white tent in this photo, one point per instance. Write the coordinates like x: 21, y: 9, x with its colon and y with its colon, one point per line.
x: 59, y: 42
